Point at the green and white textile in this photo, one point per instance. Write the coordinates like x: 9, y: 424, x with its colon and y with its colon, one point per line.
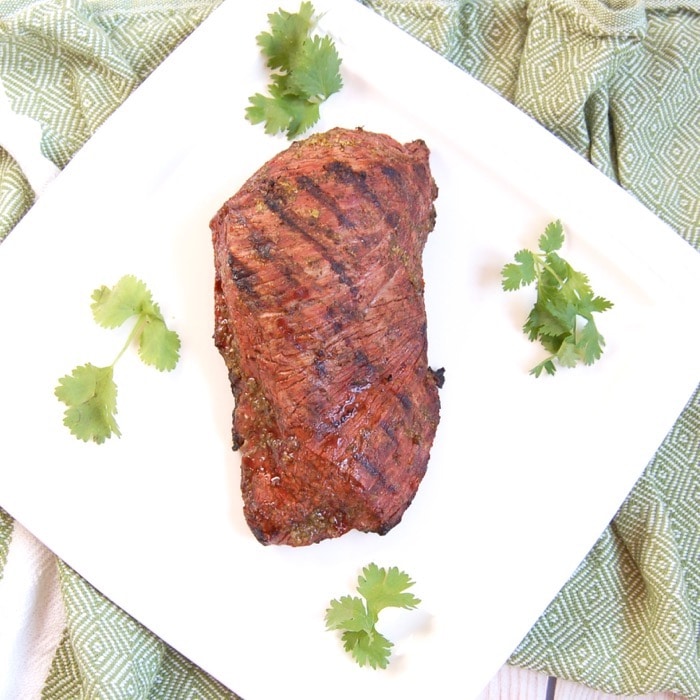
x: 618, y: 81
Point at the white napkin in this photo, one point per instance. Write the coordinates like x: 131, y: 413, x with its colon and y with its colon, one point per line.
x: 32, y: 614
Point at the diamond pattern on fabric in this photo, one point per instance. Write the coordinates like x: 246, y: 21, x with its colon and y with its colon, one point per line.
x: 78, y: 79
x: 656, y: 89
x: 501, y: 29
x: 16, y: 195
x: 564, y: 62
x: 6, y: 527
x: 63, y: 681
x: 111, y: 656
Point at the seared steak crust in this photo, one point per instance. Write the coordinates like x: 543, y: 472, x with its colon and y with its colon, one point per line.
x: 321, y: 322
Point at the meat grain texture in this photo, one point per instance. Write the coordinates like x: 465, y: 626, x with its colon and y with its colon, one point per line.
x: 321, y: 321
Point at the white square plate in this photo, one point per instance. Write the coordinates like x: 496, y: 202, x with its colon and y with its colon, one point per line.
x: 525, y: 473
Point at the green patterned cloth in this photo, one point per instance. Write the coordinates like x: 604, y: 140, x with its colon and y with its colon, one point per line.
x: 104, y: 654
x: 619, y: 82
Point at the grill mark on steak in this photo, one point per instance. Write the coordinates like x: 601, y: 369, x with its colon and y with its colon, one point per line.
x: 393, y: 174
x: 242, y: 276
x: 320, y: 320
x: 372, y: 470
x: 357, y: 178
x: 277, y: 204
x: 405, y: 401
x: 262, y: 245
x: 312, y: 187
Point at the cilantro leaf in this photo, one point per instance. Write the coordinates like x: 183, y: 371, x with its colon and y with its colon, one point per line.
x: 368, y: 648
x: 599, y: 304
x: 111, y: 307
x: 577, y: 284
x: 274, y: 113
x: 590, y: 342
x: 348, y: 613
x: 384, y: 588
x: 314, y: 73
x: 561, y: 318
x: 546, y: 320
x: 544, y: 366
x: 90, y: 392
x: 521, y: 272
x: 91, y: 396
x: 288, y: 31
x: 568, y: 354
x: 553, y: 237
x: 282, y: 112
x: 158, y: 345
x: 356, y: 619
x: 305, y: 72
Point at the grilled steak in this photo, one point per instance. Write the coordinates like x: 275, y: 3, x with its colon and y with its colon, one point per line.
x: 321, y: 322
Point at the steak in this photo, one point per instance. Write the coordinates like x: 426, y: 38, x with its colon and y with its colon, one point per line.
x: 320, y: 319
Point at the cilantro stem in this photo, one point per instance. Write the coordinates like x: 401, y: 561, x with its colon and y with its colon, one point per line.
x: 542, y: 264
x: 135, y: 333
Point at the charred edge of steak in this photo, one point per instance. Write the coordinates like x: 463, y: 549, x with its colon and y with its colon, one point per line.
x: 438, y: 376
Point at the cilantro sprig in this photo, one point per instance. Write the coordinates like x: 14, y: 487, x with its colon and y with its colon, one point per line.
x: 562, y: 316
x: 305, y: 71
x: 357, y: 618
x: 90, y: 392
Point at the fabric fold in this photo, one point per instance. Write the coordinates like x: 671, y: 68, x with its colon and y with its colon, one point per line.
x: 32, y: 616
x: 16, y: 195
x: 110, y: 656
x: 572, y: 51
x: 20, y: 136
x: 77, y: 74
x: 68, y: 64
x: 598, y: 17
